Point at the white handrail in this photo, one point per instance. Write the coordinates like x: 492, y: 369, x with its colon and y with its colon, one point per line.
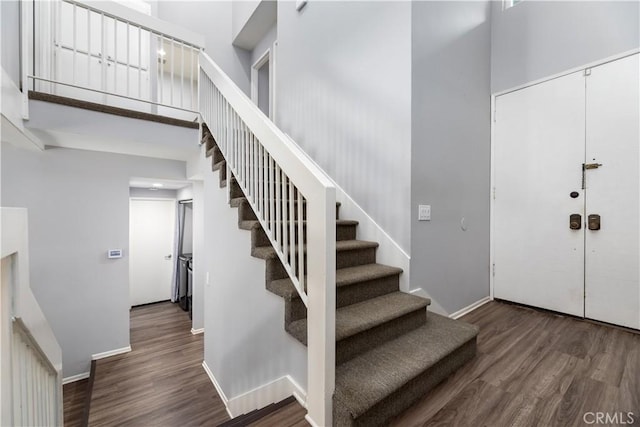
x: 32, y: 394
x: 278, y: 181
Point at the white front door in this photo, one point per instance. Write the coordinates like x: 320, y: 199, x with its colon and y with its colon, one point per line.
x: 538, y: 135
x: 612, y: 285
x: 151, y: 239
x: 545, y: 136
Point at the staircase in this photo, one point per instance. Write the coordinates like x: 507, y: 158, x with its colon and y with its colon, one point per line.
x: 390, y: 350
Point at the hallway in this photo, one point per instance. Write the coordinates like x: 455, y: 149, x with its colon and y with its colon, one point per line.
x: 161, y: 382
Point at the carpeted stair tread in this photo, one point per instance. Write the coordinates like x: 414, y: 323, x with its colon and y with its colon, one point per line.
x: 356, y: 318
x: 235, y: 202
x: 344, y: 277
x: 370, y: 377
x: 266, y: 252
x: 219, y: 165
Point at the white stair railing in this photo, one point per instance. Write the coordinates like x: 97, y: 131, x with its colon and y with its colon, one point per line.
x: 107, y: 53
x: 282, y: 186
x: 30, y: 359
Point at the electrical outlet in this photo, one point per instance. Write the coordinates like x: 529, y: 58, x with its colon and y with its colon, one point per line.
x: 424, y: 212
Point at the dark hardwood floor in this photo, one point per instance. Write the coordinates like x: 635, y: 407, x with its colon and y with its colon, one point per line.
x: 536, y: 368
x: 74, y: 395
x: 161, y: 382
x: 533, y: 368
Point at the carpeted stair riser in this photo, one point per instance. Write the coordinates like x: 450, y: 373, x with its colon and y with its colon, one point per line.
x: 352, y: 258
x: 396, y: 403
x: 344, y: 258
x: 345, y: 295
x: 259, y: 236
x: 350, y: 347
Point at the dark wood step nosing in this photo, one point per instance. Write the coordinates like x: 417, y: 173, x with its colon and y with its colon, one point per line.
x: 253, y: 416
x: 87, y: 402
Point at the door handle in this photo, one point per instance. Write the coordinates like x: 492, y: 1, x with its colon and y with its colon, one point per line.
x: 594, y: 222
x: 168, y: 256
x: 575, y: 222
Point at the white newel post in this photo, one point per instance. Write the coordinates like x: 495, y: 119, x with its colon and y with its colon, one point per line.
x: 321, y: 312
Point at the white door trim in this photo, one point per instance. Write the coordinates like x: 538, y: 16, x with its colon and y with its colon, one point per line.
x: 569, y: 71
x: 492, y: 144
x: 267, y: 56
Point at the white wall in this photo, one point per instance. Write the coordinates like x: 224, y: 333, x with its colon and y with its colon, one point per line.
x: 10, y: 39
x: 241, y: 11
x: 450, y: 151
x: 78, y: 204
x: 246, y: 345
x: 199, y: 255
x: 213, y: 19
x: 265, y: 43
x: 536, y: 39
x: 343, y: 93
x: 152, y: 194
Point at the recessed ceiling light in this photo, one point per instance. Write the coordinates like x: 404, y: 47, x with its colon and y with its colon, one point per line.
x: 157, y: 185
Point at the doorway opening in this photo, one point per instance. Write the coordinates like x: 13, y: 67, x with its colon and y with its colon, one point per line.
x: 262, y: 83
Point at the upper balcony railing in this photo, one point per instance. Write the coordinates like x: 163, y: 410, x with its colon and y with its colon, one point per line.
x: 113, y: 55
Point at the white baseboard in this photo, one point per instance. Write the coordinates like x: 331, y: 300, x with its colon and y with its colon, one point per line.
x: 468, y: 309
x: 110, y: 353
x: 74, y: 378
x: 259, y: 397
x: 197, y: 331
x: 434, y: 306
x: 223, y: 396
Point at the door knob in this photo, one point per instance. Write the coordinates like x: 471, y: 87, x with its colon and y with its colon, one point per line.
x: 594, y: 222
x: 575, y: 221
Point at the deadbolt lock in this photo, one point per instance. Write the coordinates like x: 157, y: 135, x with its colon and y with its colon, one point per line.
x: 575, y: 221
x: 594, y: 222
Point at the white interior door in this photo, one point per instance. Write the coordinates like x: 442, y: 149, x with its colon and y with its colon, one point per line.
x: 151, y: 238
x: 612, y: 286
x: 538, y: 154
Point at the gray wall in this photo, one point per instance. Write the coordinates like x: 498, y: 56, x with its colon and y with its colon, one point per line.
x: 536, y: 39
x: 450, y: 150
x: 241, y: 12
x: 78, y: 206
x: 213, y: 19
x: 265, y: 43
x: 10, y: 36
x: 343, y: 93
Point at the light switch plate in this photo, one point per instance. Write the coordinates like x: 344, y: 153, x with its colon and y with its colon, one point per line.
x: 424, y: 212
x: 114, y: 253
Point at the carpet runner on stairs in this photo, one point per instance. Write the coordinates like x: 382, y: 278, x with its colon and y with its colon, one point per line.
x: 390, y: 351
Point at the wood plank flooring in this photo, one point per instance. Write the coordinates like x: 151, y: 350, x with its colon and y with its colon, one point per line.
x: 533, y: 368
x: 161, y: 382
x: 74, y: 395
x: 536, y: 368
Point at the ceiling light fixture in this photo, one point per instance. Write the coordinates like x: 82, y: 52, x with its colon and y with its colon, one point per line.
x: 157, y: 185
